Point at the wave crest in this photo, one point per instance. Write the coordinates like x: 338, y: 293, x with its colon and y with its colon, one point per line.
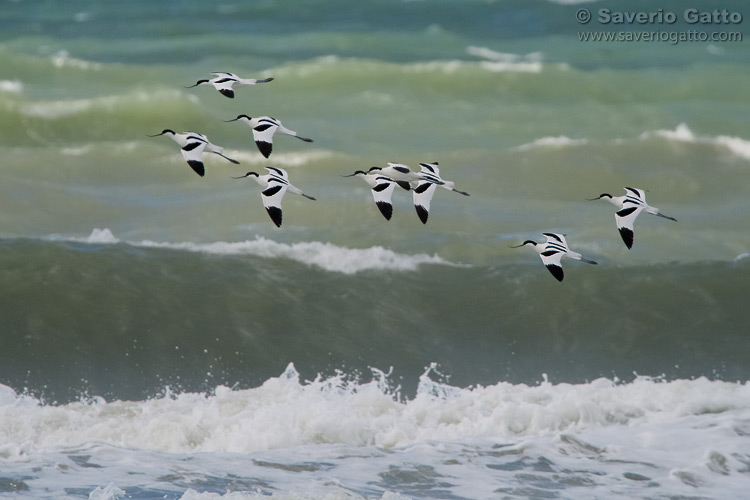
x: 327, y: 256
x: 284, y: 412
x: 682, y: 133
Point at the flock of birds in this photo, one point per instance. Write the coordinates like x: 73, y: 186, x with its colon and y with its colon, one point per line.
x: 383, y: 180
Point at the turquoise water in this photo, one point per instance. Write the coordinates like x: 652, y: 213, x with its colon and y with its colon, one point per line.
x: 155, y: 309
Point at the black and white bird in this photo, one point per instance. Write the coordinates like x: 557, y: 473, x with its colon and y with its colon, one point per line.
x: 382, y: 189
x: 398, y: 172
x: 552, y: 251
x: 192, y: 146
x: 264, y: 127
x: 225, y: 82
x: 628, y: 208
x: 425, y: 188
x: 275, y: 184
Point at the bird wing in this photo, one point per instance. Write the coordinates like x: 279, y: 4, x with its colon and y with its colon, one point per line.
x: 382, y: 192
x: 422, y: 196
x: 272, y: 196
x: 556, y: 240
x: 398, y: 168
x: 625, y: 218
x: 263, y: 135
x: 191, y: 152
x: 551, y: 258
x: 278, y: 172
x: 431, y: 168
x: 224, y: 84
x: 430, y: 172
x: 635, y: 195
x: 554, y: 249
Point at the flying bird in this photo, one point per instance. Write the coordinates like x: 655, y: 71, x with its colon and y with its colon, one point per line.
x: 264, y: 127
x: 425, y: 188
x: 192, y: 146
x: 382, y: 190
x: 398, y: 172
x: 552, y: 251
x: 628, y: 208
x: 225, y: 83
x: 275, y: 184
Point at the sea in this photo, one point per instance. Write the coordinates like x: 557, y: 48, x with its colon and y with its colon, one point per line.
x: 161, y: 338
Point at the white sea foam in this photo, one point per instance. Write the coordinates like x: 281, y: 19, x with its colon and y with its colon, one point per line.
x: 498, y: 62
x: 62, y: 59
x: 494, y: 66
x: 68, y: 107
x: 495, y: 62
x: 192, y: 494
x: 551, y: 142
x: 682, y: 133
x: 324, y: 255
x: 109, y: 492
x: 285, y: 412
x: 284, y: 160
x: 11, y: 86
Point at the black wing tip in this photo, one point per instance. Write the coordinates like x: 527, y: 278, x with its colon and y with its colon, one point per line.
x: 385, y: 208
x: 265, y: 148
x: 275, y: 214
x: 197, y: 167
x: 422, y: 212
x: 556, y: 271
x: 627, y: 237
x: 227, y: 92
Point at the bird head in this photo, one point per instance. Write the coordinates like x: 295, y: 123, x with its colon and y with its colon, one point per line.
x: 165, y: 131
x: 247, y: 175
x: 605, y: 196
x: 239, y: 117
x: 527, y: 242
x: 358, y: 172
x: 199, y: 82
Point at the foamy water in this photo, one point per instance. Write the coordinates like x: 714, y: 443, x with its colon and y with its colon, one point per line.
x: 684, y: 435
x: 682, y: 133
x: 323, y: 255
x: 286, y: 412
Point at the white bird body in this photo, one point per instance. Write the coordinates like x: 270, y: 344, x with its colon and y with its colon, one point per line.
x: 192, y: 145
x: 629, y: 207
x: 552, y: 251
x: 275, y: 184
x: 264, y: 127
x: 424, y: 189
x: 382, y: 190
x: 225, y: 82
x: 398, y: 172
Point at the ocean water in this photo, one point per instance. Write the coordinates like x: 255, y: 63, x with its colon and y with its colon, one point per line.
x: 160, y: 338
